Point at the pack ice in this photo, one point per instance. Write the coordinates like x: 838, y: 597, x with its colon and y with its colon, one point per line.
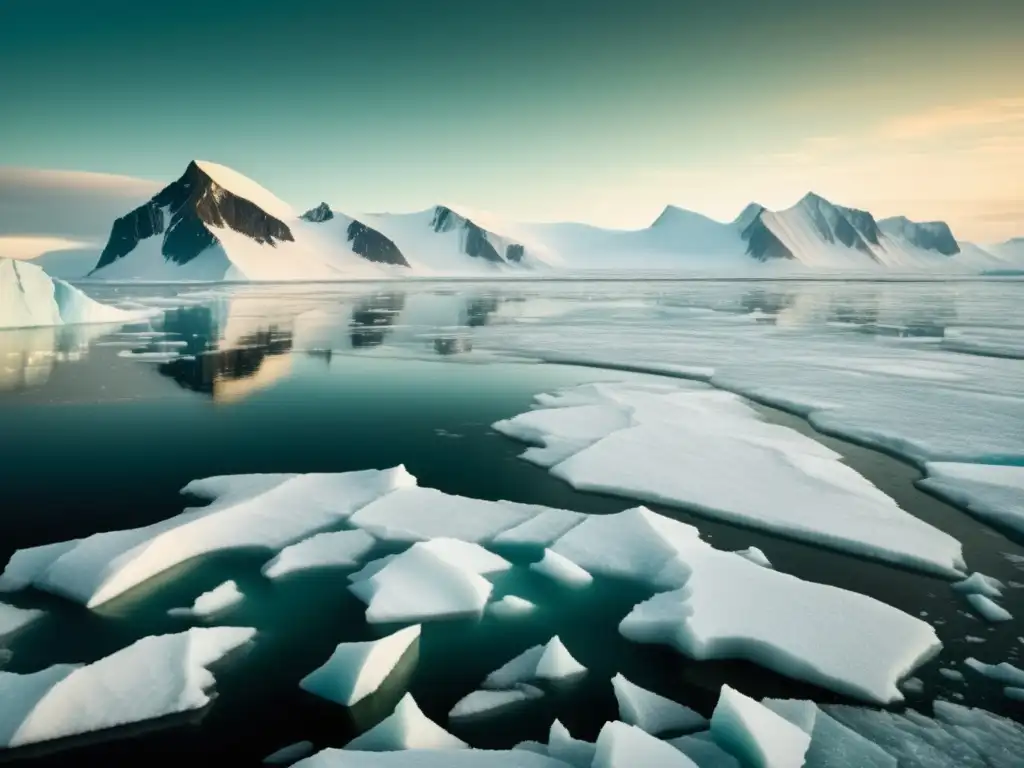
x: 991, y: 492
x: 14, y: 619
x: 406, y: 728
x: 245, y: 511
x: 652, y: 712
x: 29, y: 297
x: 154, y: 677
x: 333, y: 549
x: 209, y: 604
x: 708, y: 450
x: 429, y: 758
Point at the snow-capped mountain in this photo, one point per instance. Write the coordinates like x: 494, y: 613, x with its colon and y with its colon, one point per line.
x: 930, y: 235
x: 30, y: 298
x: 363, y: 240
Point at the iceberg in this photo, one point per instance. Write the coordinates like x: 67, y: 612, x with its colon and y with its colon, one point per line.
x: 556, y: 663
x: 550, y: 662
x: 989, y: 610
x: 209, y: 604
x: 154, y: 677
x: 626, y: 746
x: 708, y: 451
x: 756, y: 735
x: 406, y: 728
x: 510, y: 606
x: 13, y: 619
x: 559, y: 569
x: 339, y: 549
x: 994, y: 493
x: 246, y: 511
x: 488, y: 702
x: 652, y: 712
x: 357, y: 670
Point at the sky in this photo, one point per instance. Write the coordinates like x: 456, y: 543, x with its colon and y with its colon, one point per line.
x: 546, y: 110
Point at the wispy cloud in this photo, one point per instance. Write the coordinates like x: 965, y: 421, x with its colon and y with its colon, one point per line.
x: 954, y: 119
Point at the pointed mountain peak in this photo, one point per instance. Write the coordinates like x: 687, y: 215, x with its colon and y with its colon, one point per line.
x: 318, y: 214
x: 747, y: 216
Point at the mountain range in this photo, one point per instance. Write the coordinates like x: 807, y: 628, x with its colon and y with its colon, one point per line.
x: 214, y: 224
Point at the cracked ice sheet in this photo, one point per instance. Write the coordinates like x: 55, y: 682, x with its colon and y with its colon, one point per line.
x: 708, y: 450
x: 991, y: 492
x: 246, y: 511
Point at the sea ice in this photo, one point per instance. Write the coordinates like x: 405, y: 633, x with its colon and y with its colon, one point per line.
x: 542, y: 529
x: 154, y: 677
x: 357, y: 670
x: 989, y: 610
x: 952, y: 674
x: 756, y: 735
x: 703, y: 751
x: 13, y: 619
x: 291, y: 753
x: 832, y: 745
x: 247, y: 511
x: 652, y: 712
x: 980, y: 584
x: 994, y: 493
x: 709, y: 451
x: 429, y: 758
x: 625, y: 746
x: 755, y: 555
x: 551, y: 662
x: 209, y: 604
x: 556, y: 663
x: 489, y: 702
x: 420, y: 585
x: 564, y: 571
x: 913, y: 685
x: 341, y: 549
x: 562, y: 746
x: 1004, y: 672
x: 510, y: 606
x: 406, y: 728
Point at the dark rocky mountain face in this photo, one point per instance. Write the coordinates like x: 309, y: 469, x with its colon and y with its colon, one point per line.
x: 476, y: 242
x: 373, y: 317
x: 762, y: 243
x: 832, y: 223
x: 183, y: 213
x: 373, y: 246
x: 931, y: 235
x: 863, y: 222
x: 322, y: 212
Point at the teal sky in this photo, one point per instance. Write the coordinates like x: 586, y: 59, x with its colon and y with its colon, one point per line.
x: 566, y: 109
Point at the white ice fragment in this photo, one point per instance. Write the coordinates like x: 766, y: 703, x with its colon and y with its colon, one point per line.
x: 154, y: 677
x: 556, y: 663
x: 339, y: 549
x: 541, y: 530
x: 510, y: 606
x: 703, y: 751
x: 291, y: 753
x: 952, y: 674
x: 833, y: 745
x: 356, y: 670
x: 372, y: 567
x: 994, y: 493
x: 625, y: 746
x: 562, y: 746
x: 13, y: 619
x: 652, y: 712
x: 420, y: 585
x: 489, y: 702
x: 980, y: 584
x: 755, y: 555
x: 247, y: 511
x: 532, y: 746
x: 989, y: 610
x: 560, y: 569
x: 430, y: 758
x: 550, y: 662
x: 466, y: 555
x: 1004, y: 672
x: 406, y: 728
x: 973, y: 639
x: 209, y: 604
x: 913, y: 685
x: 756, y: 735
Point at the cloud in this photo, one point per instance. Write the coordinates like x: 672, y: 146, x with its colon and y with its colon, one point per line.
x: 954, y: 119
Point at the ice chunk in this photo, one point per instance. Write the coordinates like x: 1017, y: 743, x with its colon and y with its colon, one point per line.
x: 422, y: 758
x: 755, y: 555
x: 291, y: 753
x: 989, y: 610
x: 562, y: 746
x: 913, y: 685
x: 551, y: 661
x: 488, y: 702
x: 209, y: 604
x: 532, y: 746
x: 340, y: 549
x: 510, y: 606
x: 418, y: 514
x: 755, y: 734
x: 994, y: 493
x: 731, y: 608
x: 709, y: 451
x: 703, y: 751
x: 556, y: 663
x: 626, y: 746
x: 832, y: 745
x: 562, y: 570
x: 372, y: 567
x: 247, y: 511
x: 980, y: 584
x: 561, y: 432
x: 1004, y: 672
x: 652, y: 712
x: 541, y: 530
x: 154, y: 677
x: 952, y: 674
x: 406, y: 728
x: 14, y: 619
x: 419, y: 585
x: 356, y: 670
x: 466, y: 555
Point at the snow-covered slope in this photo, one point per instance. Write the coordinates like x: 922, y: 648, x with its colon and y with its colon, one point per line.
x: 29, y: 297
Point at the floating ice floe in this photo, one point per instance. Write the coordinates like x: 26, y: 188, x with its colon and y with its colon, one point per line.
x: 246, y: 511
x: 291, y: 753
x: 625, y: 746
x: 13, y: 619
x: 422, y: 584
x: 357, y: 670
x: 831, y: 745
x: 490, y: 702
x: 913, y: 685
x: 562, y: 746
x: 756, y: 735
x: 980, y: 584
x: 510, y: 606
x: 704, y: 752
x: 707, y: 450
x: 652, y: 712
x: 755, y: 555
x: 550, y: 662
x: 989, y: 610
x: 993, y: 493
x: 154, y: 677
x: 406, y: 728
x: 1004, y: 672
x: 209, y: 604
x: 426, y: 758
x: 542, y: 529
x: 339, y: 549
x: 559, y: 569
